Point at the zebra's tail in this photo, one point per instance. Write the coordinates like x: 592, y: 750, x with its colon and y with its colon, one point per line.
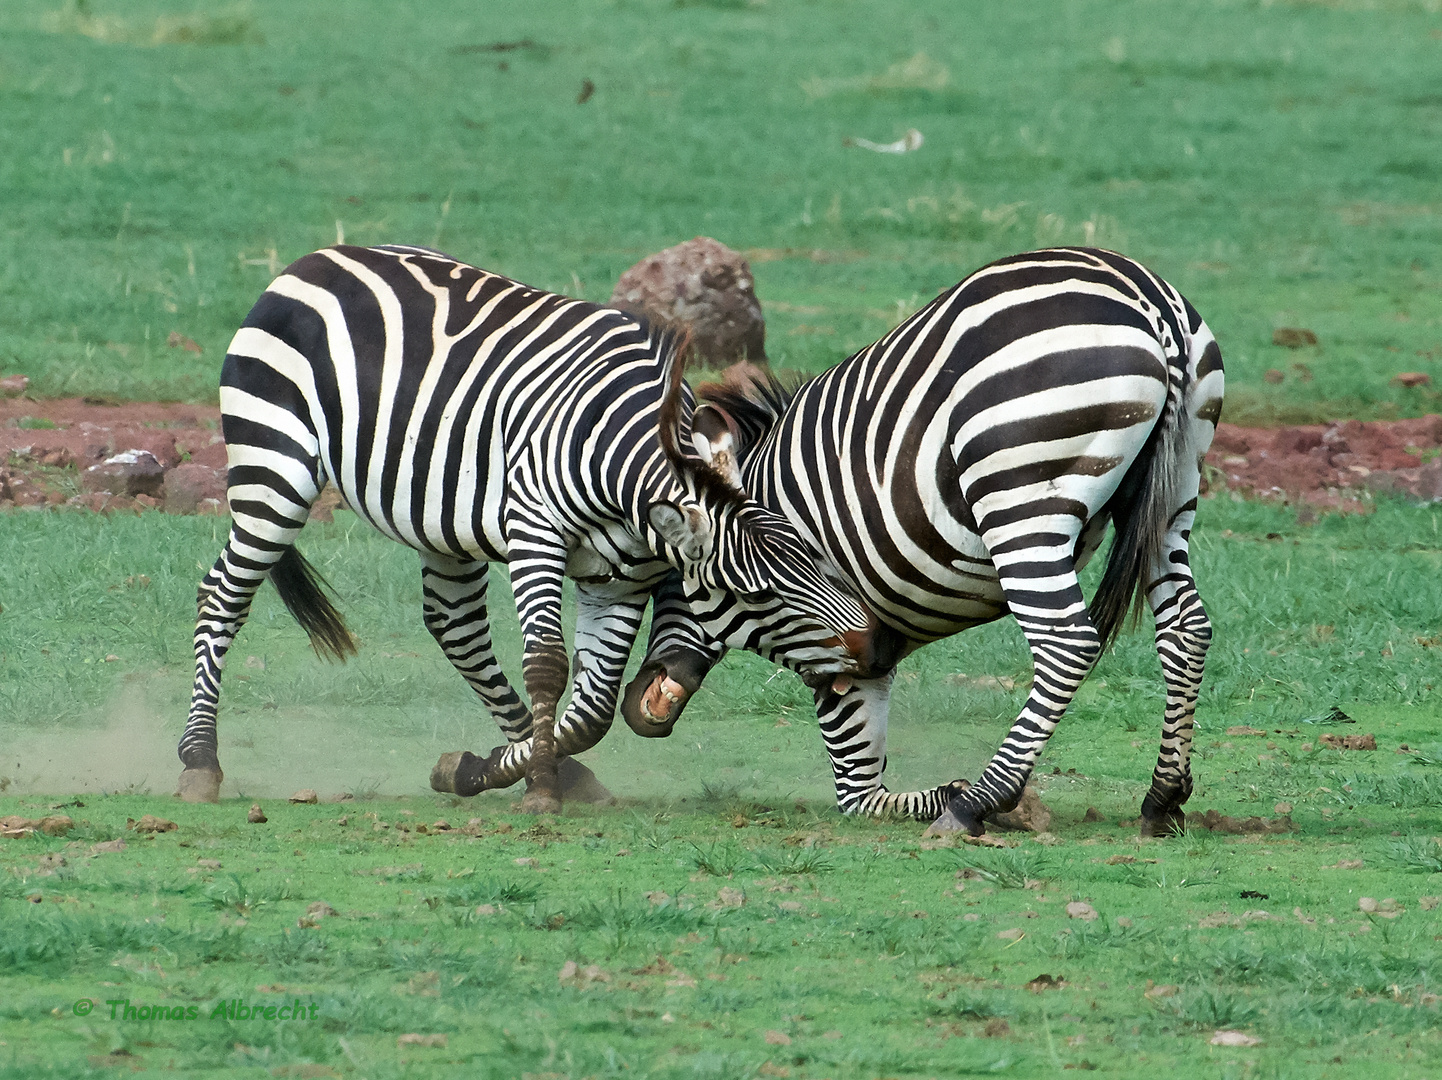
x: 1141, y: 510
x: 302, y: 589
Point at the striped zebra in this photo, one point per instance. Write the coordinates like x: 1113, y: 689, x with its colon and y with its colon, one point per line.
x: 477, y: 420
x: 966, y: 466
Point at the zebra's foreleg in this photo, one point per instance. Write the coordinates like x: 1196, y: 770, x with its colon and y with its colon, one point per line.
x: 538, y: 566
x: 454, y: 604
x: 678, y: 657
x: 1183, y: 635
x: 853, y: 727
x: 1064, y: 646
x: 607, y: 622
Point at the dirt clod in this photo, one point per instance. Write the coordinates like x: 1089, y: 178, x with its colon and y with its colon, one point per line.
x: 1029, y: 815
x: 1349, y: 742
x: 1092, y: 816
x: 305, y: 795
x: 1235, y: 826
x: 15, y: 827
x: 1080, y: 909
x: 149, y: 823
x: 256, y: 816
x: 1293, y: 337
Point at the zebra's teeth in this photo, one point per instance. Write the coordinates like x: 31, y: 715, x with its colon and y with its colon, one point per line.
x: 841, y: 684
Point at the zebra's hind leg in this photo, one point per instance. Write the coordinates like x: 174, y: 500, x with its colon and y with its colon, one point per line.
x: 1183, y: 634
x: 223, y: 602
x: 1064, y: 646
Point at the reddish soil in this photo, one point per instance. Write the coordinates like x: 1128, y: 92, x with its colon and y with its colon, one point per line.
x: 1337, y: 466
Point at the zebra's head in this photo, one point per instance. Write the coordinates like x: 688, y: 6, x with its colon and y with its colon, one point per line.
x: 746, y: 564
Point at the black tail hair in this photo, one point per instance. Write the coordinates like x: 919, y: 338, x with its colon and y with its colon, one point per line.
x: 1141, y: 510
x: 301, y: 588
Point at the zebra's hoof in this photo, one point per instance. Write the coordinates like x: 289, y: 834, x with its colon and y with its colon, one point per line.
x: 951, y: 822
x: 541, y: 799
x: 1171, y: 823
x: 459, y: 773
x: 200, y: 785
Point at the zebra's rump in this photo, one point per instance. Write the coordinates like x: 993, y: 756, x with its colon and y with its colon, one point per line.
x: 999, y: 419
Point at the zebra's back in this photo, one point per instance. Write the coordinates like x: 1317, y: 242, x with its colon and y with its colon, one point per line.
x: 417, y: 383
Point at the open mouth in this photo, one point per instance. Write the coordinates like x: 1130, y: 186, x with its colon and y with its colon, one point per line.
x: 662, y: 700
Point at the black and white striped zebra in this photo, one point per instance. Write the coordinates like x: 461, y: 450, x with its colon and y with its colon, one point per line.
x: 967, y: 466
x: 478, y: 420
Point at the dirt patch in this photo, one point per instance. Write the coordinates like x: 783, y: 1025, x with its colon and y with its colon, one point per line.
x: 1341, y: 465
x: 46, y: 447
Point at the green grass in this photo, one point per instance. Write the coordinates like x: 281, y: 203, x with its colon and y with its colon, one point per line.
x: 1269, y: 159
x: 448, y: 934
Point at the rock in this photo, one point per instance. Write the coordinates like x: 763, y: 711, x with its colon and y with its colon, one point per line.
x: 305, y: 795
x: 14, y: 385
x: 320, y: 910
x: 1030, y: 814
x: 1080, y: 909
x: 131, y: 472
x: 706, y: 287
x: 1293, y: 337
x: 1411, y: 379
x: 1092, y: 816
x: 256, y: 815
x: 187, y: 486
x: 151, y: 824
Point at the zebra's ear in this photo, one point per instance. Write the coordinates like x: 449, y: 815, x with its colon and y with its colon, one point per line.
x: 683, y: 526
x: 718, y: 442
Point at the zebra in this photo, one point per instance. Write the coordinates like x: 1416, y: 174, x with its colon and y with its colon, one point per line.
x: 478, y: 420
x: 963, y: 467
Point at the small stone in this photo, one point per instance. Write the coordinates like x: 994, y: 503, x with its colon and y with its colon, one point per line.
x: 1080, y: 909
x: 777, y: 1038
x: 1234, y: 1038
x: 1092, y: 816
x: 319, y: 909
x: 131, y: 472
x: 727, y: 897
x: 256, y: 815
x: 305, y: 795
x: 1014, y: 934
x: 14, y: 385
x: 1282, y: 808
x: 526, y: 861
x: 208, y: 864
x: 1367, y: 904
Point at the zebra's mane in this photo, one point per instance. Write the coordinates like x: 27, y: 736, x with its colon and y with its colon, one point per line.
x: 673, y: 347
x: 752, y: 399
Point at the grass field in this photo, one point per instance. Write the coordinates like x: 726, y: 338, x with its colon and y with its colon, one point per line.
x: 732, y: 923
x: 1274, y: 160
